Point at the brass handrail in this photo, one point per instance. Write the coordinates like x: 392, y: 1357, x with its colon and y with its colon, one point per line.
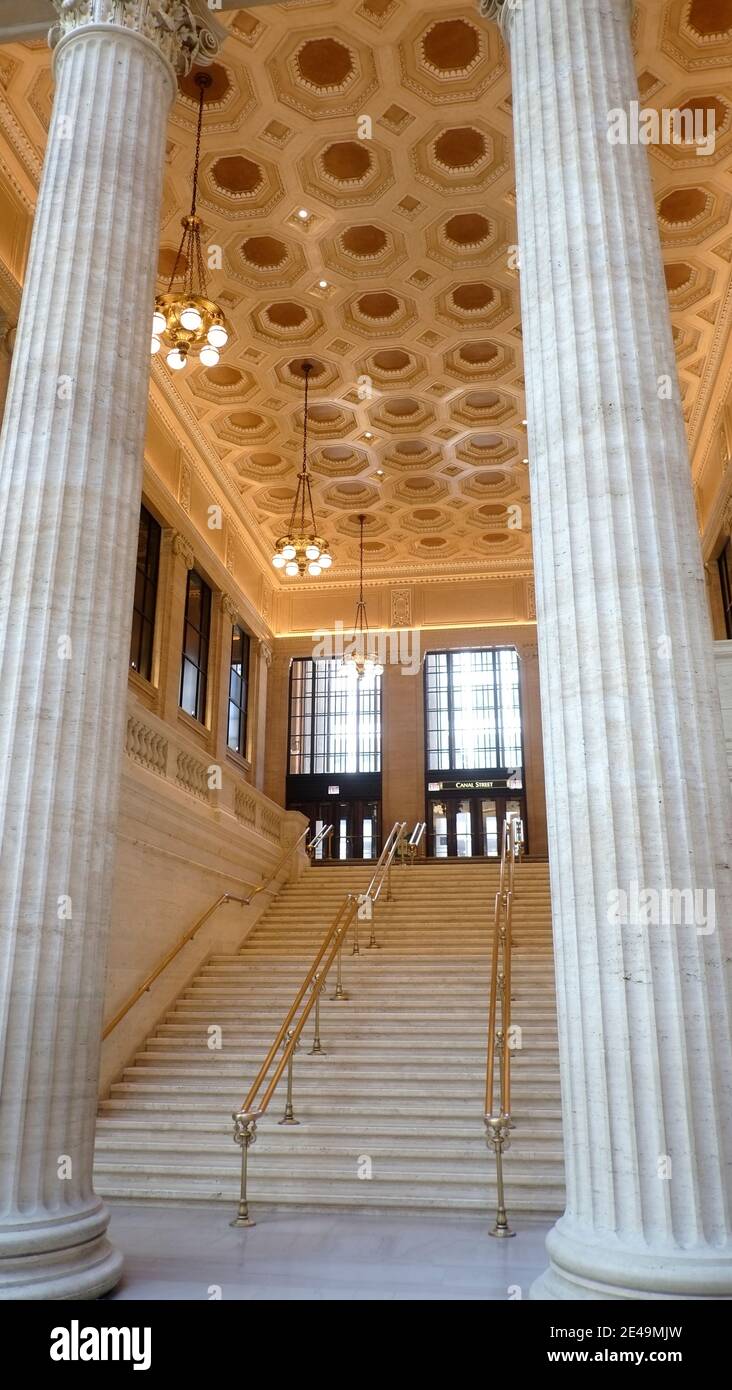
x: 408, y: 848
x: 381, y: 876
x: 254, y: 1106
x: 201, y: 921
x: 498, y: 1121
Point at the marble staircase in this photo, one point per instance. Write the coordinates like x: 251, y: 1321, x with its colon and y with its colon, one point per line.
x: 391, y: 1116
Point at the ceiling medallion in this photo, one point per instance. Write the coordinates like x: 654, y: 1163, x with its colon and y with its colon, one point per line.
x: 186, y: 319
x: 302, y: 550
x: 357, y: 658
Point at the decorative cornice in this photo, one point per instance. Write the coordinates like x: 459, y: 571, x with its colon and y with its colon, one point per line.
x: 183, y: 31
x: 183, y: 549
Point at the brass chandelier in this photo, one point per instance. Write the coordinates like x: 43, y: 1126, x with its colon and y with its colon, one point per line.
x: 359, y: 658
x: 186, y: 320
x: 302, y: 550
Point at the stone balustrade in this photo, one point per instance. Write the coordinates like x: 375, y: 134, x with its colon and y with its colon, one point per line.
x: 173, y: 754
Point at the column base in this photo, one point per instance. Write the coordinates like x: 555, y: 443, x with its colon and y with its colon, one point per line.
x: 587, y: 1266
x: 58, y: 1260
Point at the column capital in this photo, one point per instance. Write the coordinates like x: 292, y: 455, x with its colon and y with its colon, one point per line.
x: 183, y: 31
x: 183, y: 549
x: 229, y: 608
x: 505, y: 11
x: 499, y: 10
x: 265, y: 653
x: 7, y: 333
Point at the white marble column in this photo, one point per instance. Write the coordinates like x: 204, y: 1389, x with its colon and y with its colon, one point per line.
x: 70, y: 477
x: 636, y: 784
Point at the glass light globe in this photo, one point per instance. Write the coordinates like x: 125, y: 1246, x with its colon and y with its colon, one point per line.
x: 326, y: 560
x: 291, y: 568
x: 217, y: 335
x: 289, y: 552
x: 278, y: 560
x: 312, y: 552
x: 176, y: 359
x: 314, y: 568
x: 191, y: 319
x: 209, y: 356
x: 155, y: 345
x: 159, y: 324
x: 378, y: 669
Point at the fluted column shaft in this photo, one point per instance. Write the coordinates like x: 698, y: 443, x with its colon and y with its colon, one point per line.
x: 70, y: 478
x: 636, y: 785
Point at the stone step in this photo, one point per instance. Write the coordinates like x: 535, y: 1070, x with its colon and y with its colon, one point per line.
x: 357, y: 1035
x: 540, y: 1128
x: 527, y: 1197
x: 371, y: 1109
x: 523, y: 1089
x: 472, y: 1180
x: 386, y: 1063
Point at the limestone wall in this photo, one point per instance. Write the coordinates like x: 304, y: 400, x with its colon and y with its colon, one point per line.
x: 180, y: 845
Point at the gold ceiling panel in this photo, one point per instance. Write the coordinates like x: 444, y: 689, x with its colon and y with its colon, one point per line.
x: 388, y: 123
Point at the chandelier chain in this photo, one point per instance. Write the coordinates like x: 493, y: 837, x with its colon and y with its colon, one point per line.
x: 185, y: 318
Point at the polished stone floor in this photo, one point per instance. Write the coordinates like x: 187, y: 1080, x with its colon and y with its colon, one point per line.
x: 190, y: 1252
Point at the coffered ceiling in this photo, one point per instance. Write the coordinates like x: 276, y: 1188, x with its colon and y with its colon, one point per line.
x: 389, y: 123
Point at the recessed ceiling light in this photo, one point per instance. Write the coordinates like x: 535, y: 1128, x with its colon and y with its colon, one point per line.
x: 368, y: 435
x: 322, y: 284
x: 303, y: 214
x: 524, y: 460
x: 379, y: 472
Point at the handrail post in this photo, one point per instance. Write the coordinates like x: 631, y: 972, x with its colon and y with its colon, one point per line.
x: 499, y: 1125
x: 245, y: 1134
x: 317, y: 1048
x: 340, y: 993
x: 497, y: 1133
x: 372, y: 944
x: 289, y: 1116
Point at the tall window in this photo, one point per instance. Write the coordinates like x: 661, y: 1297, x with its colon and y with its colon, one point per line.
x: 196, y: 633
x: 473, y: 709
x: 146, y: 590
x: 725, y: 580
x: 238, y: 690
x: 335, y: 719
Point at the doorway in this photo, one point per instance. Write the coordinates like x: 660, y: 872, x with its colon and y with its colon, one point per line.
x: 468, y: 827
x: 356, y: 827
